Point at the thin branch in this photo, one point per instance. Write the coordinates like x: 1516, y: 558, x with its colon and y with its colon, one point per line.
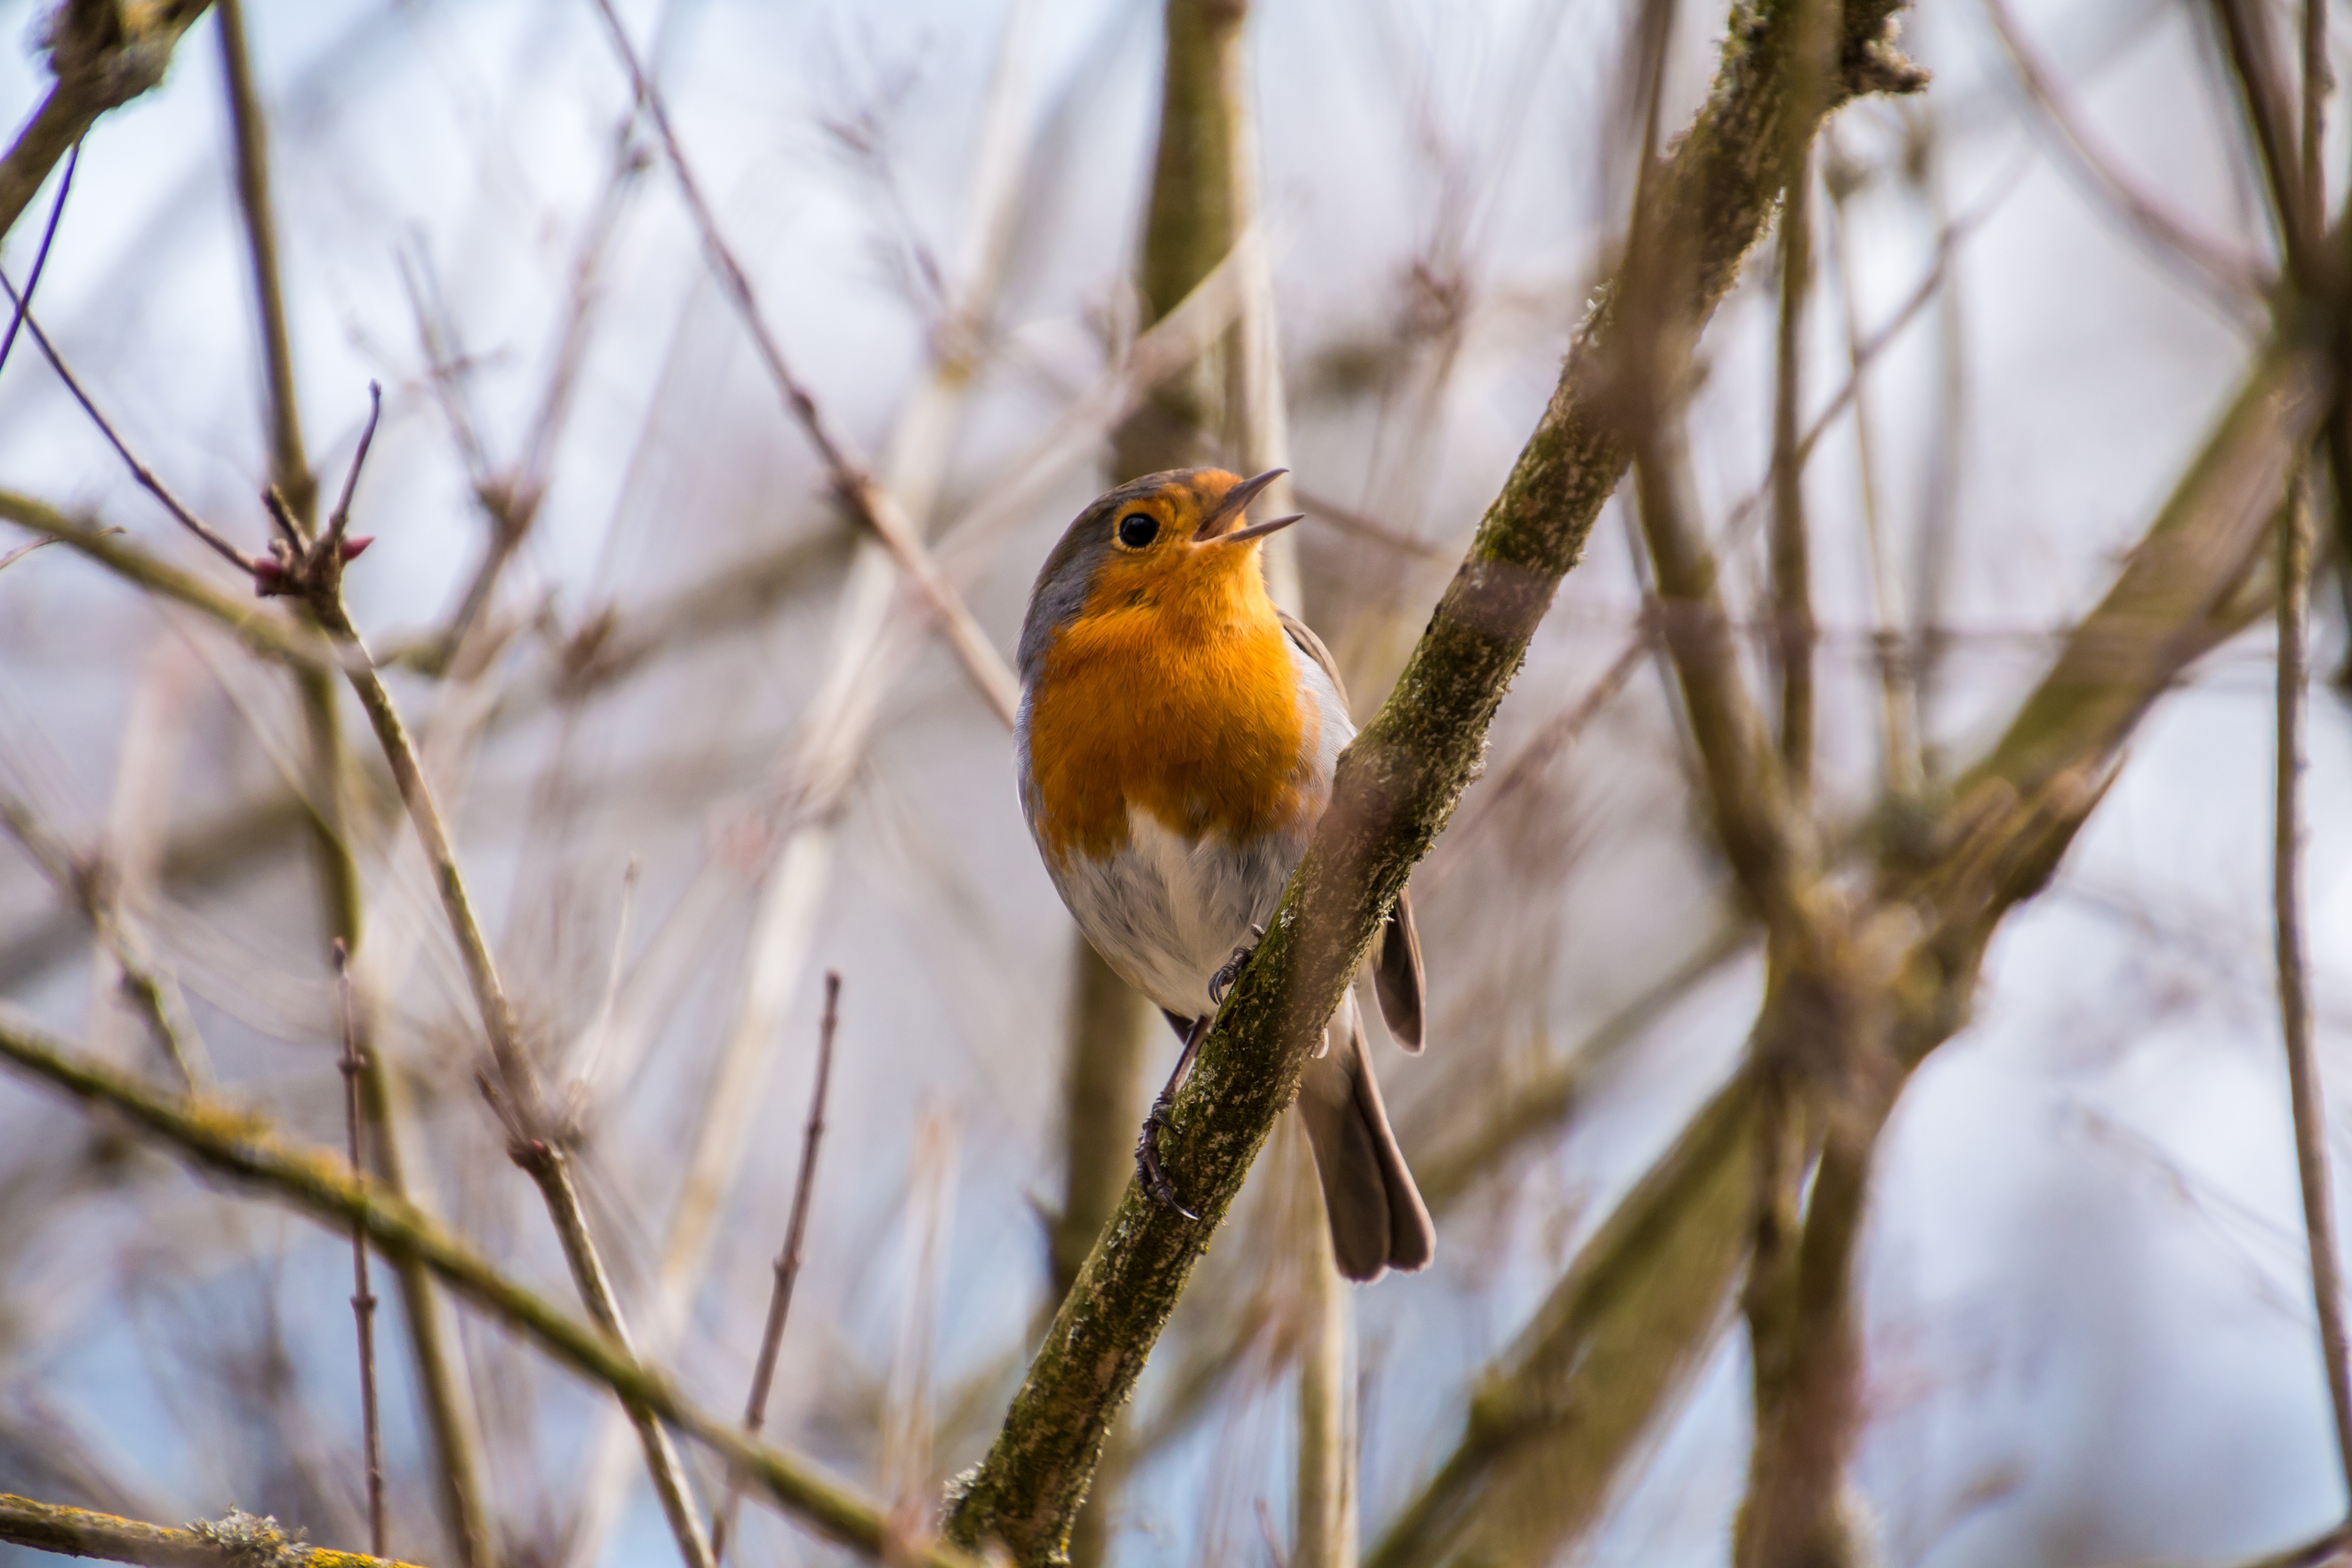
x: 239, y: 1540
x: 787, y: 1266
x: 24, y: 550
x: 40, y: 257
x: 2309, y: 1102
x: 363, y: 1299
x: 1557, y: 733
x: 329, y: 800
x: 241, y: 1144
x: 289, y: 468
x: 339, y: 521
x: 1765, y: 839
x: 2182, y: 591
x: 1365, y: 526
x: 85, y: 885
x: 552, y: 1170
x: 517, y: 1096
x: 2262, y: 91
x: 1902, y: 767
x: 858, y: 489
x: 1324, y: 1500
x: 2234, y: 277
x: 313, y: 570
x: 139, y: 470
x: 2317, y: 79
x: 1792, y: 596
x: 510, y: 499
x: 103, y: 57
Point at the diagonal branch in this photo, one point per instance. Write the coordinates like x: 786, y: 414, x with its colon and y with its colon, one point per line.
x: 2304, y: 1093
x: 517, y: 1093
x: 252, y: 622
x: 237, y: 1542
x: 860, y: 492
x: 1395, y: 787
x: 236, y: 1143
x: 2233, y: 276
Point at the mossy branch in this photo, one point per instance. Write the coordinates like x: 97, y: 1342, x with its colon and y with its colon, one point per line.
x: 239, y: 1540
x: 242, y: 1146
x: 1394, y: 789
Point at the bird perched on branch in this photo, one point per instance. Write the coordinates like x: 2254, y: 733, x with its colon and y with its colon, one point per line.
x: 1176, y: 737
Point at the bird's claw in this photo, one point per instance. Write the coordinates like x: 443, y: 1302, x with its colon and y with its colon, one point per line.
x: 1222, y: 981
x: 1147, y: 1161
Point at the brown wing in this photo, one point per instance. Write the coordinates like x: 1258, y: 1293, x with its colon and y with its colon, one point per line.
x: 1397, y: 977
x: 1396, y: 974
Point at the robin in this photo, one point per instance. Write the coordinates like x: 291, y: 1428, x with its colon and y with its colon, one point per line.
x: 1176, y: 742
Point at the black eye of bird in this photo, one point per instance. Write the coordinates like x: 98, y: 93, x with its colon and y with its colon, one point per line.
x: 1138, y: 529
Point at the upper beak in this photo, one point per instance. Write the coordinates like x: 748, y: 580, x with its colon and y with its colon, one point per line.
x: 1215, y: 528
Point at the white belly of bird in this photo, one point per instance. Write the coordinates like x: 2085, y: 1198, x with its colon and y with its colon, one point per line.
x: 1166, y: 913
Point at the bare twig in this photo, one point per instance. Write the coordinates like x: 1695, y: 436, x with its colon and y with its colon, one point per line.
x: 238, y: 1540
x: 1448, y: 1162
x: 874, y: 505
x: 2234, y: 277
x: 1793, y: 597
x: 2293, y: 977
x: 363, y: 1299
x: 24, y: 550
x: 1547, y: 742
x: 139, y: 470
x: 318, y: 575
x: 787, y: 1266
x: 339, y: 521
x: 1902, y: 766
x: 289, y: 468
x: 1554, y: 1416
x: 1767, y: 841
x: 509, y: 498
x: 2270, y: 125
x: 86, y: 884
x: 40, y: 257
x: 2318, y: 79
x: 1325, y: 1495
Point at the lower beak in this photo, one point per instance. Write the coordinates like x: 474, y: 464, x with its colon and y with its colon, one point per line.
x: 1258, y: 529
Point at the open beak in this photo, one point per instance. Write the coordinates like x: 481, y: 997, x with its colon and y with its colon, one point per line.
x: 1216, y: 528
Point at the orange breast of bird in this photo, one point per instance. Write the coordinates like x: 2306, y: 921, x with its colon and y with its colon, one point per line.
x: 1176, y: 694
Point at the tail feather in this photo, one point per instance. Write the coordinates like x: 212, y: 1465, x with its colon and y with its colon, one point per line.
x: 1378, y: 1220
